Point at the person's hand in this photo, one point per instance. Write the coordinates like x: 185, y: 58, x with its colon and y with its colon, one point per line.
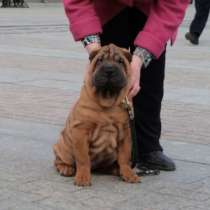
x: 92, y: 47
x: 136, y: 65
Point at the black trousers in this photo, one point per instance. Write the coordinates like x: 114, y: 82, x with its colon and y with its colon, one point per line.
x: 122, y: 30
x: 202, y: 8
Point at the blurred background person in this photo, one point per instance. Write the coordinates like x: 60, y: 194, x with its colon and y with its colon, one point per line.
x: 197, y: 25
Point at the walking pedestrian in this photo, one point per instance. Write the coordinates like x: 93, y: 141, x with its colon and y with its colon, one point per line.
x: 199, y: 21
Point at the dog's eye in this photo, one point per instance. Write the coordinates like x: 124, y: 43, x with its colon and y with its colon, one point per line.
x: 120, y: 61
x: 99, y: 60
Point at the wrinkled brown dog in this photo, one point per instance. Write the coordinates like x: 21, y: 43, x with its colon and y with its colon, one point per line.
x: 97, y: 133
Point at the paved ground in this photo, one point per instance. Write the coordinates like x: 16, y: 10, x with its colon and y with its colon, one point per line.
x: 41, y: 71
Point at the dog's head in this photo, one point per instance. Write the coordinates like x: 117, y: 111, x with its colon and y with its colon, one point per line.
x: 109, y: 74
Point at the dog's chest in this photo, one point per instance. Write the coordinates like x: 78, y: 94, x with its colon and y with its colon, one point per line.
x: 104, y: 141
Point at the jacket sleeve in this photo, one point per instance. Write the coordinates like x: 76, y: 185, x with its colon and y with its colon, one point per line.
x: 163, y: 21
x: 82, y: 18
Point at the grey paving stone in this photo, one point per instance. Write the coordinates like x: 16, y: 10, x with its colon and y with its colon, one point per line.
x: 43, y: 52
x: 19, y: 200
x: 16, y: 205
x: 28, y: 130
x: 192, y: 152
x: 157, y: 202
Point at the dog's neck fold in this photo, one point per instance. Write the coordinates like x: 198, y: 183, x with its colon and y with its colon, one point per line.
x: 89, y: 97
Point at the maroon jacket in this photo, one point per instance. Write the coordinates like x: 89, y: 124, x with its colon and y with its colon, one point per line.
x: 164, y: 16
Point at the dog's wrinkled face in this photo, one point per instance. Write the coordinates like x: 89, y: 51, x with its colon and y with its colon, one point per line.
x: 109, y: 77
x: 110, y: 71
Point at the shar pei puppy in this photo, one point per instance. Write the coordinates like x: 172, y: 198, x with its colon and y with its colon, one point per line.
x: 97, y: 135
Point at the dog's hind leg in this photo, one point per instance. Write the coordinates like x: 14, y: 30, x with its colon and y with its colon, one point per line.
x: 64, y: 162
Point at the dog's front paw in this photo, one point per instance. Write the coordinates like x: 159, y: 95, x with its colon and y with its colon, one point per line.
x: 132, y: 178
x: 128, y: 175
x: 82, y: 178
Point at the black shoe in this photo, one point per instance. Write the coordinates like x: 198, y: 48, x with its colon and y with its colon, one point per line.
x: 156, y: 161
x: 192, y: 38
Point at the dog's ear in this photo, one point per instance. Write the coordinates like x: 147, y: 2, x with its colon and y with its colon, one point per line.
x: 127, y: 54
x: 93, y: 54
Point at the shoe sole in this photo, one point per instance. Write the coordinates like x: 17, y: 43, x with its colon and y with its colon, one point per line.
x: 158, y: 167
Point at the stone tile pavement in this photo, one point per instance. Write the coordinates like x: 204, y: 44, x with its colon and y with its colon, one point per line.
x: 41, y: 71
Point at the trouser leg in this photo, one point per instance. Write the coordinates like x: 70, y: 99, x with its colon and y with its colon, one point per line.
x: 201, y: 16
x: 147, y: 106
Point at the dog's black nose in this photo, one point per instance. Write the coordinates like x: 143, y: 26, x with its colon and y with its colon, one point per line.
x: 109, y: 70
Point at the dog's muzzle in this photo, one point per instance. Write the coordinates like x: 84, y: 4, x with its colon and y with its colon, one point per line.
x: 109, y: 80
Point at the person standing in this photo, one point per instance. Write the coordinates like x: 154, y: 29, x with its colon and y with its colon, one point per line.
x: 199, y: 21
x: 144, y: 27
